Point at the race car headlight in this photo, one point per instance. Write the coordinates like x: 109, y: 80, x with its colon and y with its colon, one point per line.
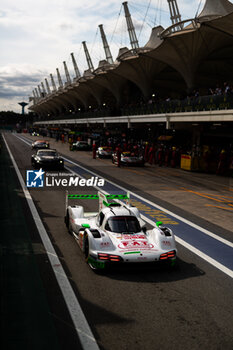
x: 109, y: 257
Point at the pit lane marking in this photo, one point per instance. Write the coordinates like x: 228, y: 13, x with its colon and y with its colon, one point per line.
x: 205, y: 195
x: 80, y: 323
x: 219, y: 207
x: 133, y: 171
x: 211, y: 197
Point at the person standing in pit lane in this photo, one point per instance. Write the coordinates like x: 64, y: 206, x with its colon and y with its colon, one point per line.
x: 118, y: 152
x: 160, y: 155
x: 167, y: 157
x: 222, y: 164
x: 146, y: 150
x: 174, y: 157
x: 151, y: 154
x: 94, y: 150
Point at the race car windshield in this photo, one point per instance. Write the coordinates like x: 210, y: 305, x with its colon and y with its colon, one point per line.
x: 50, y: 154
x: 123, y: 224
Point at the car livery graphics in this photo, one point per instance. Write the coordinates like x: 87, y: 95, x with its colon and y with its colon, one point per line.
x: 117, y: 234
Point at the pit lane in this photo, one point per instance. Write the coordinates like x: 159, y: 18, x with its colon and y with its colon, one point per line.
x: 140, y: 309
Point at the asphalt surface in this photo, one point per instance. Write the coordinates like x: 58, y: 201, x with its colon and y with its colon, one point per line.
x: 136, y: 308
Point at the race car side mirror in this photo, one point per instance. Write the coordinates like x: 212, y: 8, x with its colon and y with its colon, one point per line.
x: 159, y: 223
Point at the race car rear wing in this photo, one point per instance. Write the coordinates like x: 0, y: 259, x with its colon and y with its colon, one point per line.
x: 103, y: 198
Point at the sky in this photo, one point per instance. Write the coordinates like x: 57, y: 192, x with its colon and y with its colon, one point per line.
x: 37, y: 36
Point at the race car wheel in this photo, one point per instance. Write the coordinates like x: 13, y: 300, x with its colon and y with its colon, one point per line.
x: 171, y: 265
x: 87, y: 253
x: 67, y: 223
x: 70, y: 228
x: 86, y: 247
x: 67, y: 219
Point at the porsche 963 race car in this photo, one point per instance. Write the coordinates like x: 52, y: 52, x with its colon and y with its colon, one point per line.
x: 117, y: 234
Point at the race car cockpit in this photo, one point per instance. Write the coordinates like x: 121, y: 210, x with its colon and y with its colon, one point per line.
x: 123, y: 224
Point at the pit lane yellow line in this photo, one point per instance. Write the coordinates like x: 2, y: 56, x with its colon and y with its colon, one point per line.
x: 219, y: 207
x: 205, y: 196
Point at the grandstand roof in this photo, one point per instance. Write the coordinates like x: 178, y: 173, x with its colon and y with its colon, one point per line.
x: 172, y: 61
x: 216, y: 8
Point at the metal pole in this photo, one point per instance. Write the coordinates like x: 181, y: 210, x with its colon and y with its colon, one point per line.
x: 59, y: 78
x: 174, y: 13
x: 68, y: 80
x: 105, y: 44
x: 88, y: 58
x: 40, y: 93
x: 53, y: 83
x: 130, y: 26
x: 47, y: 85
x: 77, y: 72
x: 43, y: 88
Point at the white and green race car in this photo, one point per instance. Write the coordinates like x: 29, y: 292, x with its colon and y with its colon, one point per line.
x: 117, y: 234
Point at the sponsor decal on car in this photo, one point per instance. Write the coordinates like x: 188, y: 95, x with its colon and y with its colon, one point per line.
x: 135, y: 244
x: 131, y: 237
x: 166, y: 243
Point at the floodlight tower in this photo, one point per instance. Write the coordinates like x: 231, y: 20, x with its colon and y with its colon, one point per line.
x: 174, y: 12
x: 130, y: 26
x: 23, y: 105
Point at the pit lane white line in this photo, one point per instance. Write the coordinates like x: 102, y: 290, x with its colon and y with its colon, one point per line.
x: 82, y: 328
x: 179, y: 240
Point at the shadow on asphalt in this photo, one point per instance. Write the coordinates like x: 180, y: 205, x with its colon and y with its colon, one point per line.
x: 154, y: 273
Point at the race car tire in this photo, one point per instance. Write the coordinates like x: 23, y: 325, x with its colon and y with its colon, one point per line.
x: 87, y: 253
x: 171, y: 265
x: 67, y: 223
x: 66, y: 219
x: 86, y: 247
x: 70, y: 228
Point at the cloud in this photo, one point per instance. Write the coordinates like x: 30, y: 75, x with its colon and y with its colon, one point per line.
x: 16, y: 85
